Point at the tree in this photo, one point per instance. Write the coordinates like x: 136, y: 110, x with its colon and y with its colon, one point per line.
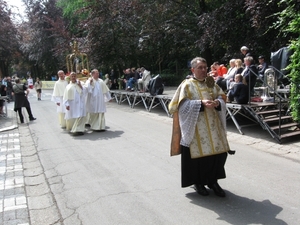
x: 289, y: 22
x: 121, y: 34
x: 9, y: 44
x: 45, y: 39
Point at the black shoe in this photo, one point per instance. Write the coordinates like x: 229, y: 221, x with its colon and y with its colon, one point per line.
x: 217, y: 189
x: 77, y: 133
x: 32, y: 119
x: 201, y: 190
x: 100, y: 130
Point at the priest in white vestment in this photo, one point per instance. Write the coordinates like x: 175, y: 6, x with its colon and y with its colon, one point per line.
x: 57, y: 97
x: 199, y: 130
x: 98, y: 95
x: 74, y: 101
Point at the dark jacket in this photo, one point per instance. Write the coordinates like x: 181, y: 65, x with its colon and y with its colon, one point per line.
x: 250, y: 76
x: 20, y: 97
x: 262, y: 69
x: 240, y: 93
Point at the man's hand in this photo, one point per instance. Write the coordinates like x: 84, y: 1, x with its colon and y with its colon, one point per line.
x: 210, y: 103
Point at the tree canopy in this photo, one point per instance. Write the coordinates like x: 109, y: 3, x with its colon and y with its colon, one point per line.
x: 161, y: 35
x: 9, y: 45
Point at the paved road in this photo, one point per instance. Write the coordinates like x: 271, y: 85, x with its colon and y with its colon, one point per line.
x: 126, y: 176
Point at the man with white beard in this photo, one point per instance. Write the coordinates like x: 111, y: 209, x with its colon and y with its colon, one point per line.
x: 98, y: 94
x: 57, y: 97
x: 74, y: 101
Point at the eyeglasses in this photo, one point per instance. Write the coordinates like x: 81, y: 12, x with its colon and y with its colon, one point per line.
x: 202, y: 68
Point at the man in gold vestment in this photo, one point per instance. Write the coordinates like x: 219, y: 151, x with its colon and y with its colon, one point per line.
x: 199, y: 132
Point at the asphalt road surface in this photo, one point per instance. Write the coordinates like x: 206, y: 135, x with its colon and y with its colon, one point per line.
x: 126, y: 176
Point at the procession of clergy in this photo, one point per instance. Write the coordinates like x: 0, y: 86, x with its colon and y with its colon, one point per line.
x: 80, y: 104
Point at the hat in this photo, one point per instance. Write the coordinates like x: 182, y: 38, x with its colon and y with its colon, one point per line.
x: 261, y: 57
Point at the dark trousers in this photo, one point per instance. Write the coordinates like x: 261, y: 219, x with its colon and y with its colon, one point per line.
x: 19, y: 110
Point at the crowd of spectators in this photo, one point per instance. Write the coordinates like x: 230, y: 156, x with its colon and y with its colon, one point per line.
x: 132, y: 79
x: 249, y: 73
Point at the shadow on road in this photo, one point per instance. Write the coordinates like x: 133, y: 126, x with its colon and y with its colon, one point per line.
x: 238, y: 210
x: 99, y: 135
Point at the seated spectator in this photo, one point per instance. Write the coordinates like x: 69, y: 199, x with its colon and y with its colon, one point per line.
x: 130, y: 81
x: 239, y: 69
x: 107, y: 81
x: 224, y: 81
x: 250, y: 73
x: 213, y: 72
x: 239, y: 66
x: 262, y: 66
x: 125, y: 78
x: 221, y: 69
x: 139, y: 73
x: 144, y: 81
x: 114, y: 84
x: 239, y: 92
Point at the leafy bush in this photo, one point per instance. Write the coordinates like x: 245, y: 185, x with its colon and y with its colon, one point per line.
x: 291, y: 16
x: 173, y: 79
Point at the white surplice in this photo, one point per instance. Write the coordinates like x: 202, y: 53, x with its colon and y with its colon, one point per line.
x: 57, y: 97
x: 98, y: 94
x: 75, y: 97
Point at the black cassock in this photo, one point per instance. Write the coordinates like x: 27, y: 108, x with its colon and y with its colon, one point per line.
x: 205, y: 170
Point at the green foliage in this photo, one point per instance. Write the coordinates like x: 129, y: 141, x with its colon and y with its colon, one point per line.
x: 74, y: 11
x: 295, y: 78
x: 172, y: 79
x: 290, y: 23
x: 161, y: 35
x: 9, y: 42
x: 44, y: 41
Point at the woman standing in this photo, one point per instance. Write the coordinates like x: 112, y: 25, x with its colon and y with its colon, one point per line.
x: 38, y: 87
x: 20, y: 91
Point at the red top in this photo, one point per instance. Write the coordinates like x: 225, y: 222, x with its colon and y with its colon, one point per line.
x: 221, y: 71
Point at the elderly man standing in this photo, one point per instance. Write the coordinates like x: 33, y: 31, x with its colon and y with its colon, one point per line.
x: 245, y: 51
x: 199, y: 132
x: 98, y: 94
x: 57, y: 97
x: 74, y: 101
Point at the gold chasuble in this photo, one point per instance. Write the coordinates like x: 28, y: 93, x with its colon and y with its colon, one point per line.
x: 209, y: 134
